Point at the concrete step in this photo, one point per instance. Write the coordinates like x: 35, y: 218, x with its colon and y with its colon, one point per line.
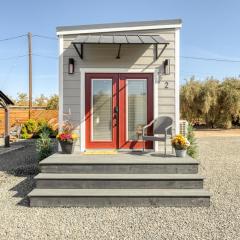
x: 60, y: 163
x: 118, y: 197
x: 119, y: 181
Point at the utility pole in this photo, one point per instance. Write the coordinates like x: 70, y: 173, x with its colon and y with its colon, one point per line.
x: 30, y: 73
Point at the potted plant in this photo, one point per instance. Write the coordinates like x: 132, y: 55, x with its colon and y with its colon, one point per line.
x: 180, y: 144
x: 67, y: 138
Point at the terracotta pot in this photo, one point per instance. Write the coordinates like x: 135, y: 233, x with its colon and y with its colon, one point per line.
x: 181, y: 152
x: 67, y: 147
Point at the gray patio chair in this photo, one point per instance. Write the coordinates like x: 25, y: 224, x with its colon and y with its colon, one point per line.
x: 162, y: 130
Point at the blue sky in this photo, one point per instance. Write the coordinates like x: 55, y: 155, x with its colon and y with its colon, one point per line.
x: 210, y: 30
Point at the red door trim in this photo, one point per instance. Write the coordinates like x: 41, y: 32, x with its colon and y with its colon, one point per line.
x: 119, y: 99
x: 88, y: 116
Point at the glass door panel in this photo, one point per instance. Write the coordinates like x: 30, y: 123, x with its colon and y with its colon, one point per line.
x: 101, y: 110
x: 100, y: 100
x: 135, y: 109
x: 136, y: 94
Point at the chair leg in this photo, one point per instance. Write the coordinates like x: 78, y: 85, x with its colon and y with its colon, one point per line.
x: 143, y: 145
x: 165, y: 148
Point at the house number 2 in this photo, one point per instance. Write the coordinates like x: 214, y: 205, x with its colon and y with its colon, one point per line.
x: 166, y: 84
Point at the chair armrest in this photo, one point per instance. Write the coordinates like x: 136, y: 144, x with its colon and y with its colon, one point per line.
x: 167, y: 128
x: 148, y: 125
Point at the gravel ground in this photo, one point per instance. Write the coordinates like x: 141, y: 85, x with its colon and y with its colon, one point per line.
x: 220, y: 163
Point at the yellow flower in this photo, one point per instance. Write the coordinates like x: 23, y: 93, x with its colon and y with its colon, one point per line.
x: 74, y: 136
x: 179, y: 141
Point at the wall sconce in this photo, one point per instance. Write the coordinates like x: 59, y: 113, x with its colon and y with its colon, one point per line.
x: 166, y: 66
x: 70, y: 65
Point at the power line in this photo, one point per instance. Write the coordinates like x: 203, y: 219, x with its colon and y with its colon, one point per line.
x: 5, y: 79
x: 186, y: 57
x: 45, y: 56
x: 186, y: 72
x: 23, y: 35
x: 12, y: 38
x: 45, y: 37
x: 25, y: 55
x: 14, y: 57
x: 211, y: 59
x: 52, y: 57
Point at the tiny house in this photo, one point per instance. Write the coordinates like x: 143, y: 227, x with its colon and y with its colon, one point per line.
x: 116, y: 78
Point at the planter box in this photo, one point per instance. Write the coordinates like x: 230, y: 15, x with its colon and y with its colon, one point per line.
x: 67, y: 147
x: 181, y: 153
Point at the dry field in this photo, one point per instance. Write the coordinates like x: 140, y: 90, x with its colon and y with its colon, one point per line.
x: 217, y: 133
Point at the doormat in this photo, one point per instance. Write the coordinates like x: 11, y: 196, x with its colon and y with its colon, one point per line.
x: 101, y: 152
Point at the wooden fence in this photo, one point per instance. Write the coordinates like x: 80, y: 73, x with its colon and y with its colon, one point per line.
x: 19, y: 115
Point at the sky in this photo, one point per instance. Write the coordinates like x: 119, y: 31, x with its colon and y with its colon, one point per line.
x: 210, y: 30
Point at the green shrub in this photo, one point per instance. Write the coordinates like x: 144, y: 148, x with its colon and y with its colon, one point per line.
x: 31, y: 126
x: 44, y: 126
x: 24, y: 133
x: 28, y: 128
x: 193, y: 149
x: 44, y: 145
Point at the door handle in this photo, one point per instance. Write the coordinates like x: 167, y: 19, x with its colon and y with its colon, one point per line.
x: 116, y: 110
x: 115, y: 115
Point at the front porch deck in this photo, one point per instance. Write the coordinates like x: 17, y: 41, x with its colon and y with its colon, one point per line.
x: 122, y: 162
x: 123, y: 179
x: 132, y: 156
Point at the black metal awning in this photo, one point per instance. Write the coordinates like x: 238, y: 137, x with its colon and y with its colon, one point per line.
x: 156, y: 40
x: 4, y: 100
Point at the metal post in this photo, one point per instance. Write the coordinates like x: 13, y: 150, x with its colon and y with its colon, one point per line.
x: 30, y: 72
x: 6, y: 137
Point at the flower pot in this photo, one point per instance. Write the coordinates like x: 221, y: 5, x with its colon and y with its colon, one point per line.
x: 67, y: 147
x: 181, y: 152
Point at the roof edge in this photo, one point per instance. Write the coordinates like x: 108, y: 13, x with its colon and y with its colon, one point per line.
x: 123, y: 26
x: 6, y: 99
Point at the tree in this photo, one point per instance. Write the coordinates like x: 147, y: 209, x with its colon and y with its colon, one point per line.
x: 213, y: 102
x: 208, y: 101
x: 189, y: 98
x: 52, y: 103
x: 41, y: 101
x: 22, y: 99
x: 229, y: 102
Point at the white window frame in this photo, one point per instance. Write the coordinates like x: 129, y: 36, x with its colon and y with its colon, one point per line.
x: 132, y: 79
x: 97, y: 79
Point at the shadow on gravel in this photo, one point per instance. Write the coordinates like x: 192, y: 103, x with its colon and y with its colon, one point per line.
x: 21, y: 162
x: 23, y: 188
x: 18, y: 157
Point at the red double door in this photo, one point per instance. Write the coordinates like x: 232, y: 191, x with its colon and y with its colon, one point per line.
x: 117, y: 107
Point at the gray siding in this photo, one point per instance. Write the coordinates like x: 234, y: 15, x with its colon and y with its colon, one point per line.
x: 140, y: 57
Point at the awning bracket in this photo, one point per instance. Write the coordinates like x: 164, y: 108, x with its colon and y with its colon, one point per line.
x: 157, y: 55
x: 79, y: 50
x: 119, y: 51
